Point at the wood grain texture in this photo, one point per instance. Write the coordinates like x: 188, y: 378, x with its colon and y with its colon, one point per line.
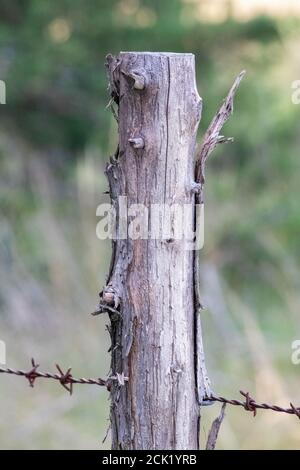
x: 152, y: 281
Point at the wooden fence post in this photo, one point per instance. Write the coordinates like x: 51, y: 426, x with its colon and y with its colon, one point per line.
x: 150, y: 293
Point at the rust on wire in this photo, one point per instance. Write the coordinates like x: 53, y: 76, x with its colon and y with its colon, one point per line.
x: 251, y: 405
x: 66, y: 379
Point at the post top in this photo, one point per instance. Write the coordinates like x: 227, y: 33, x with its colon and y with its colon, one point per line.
x: 189, y: 54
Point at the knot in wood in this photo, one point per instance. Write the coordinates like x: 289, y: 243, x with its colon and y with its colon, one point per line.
x: 138, y: 76
x: 137, y: 142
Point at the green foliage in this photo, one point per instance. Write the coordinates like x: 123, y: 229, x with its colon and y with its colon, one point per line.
x: 56, y: 135
x: 53, y: 54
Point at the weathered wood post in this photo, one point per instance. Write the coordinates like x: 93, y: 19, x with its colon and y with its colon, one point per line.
x: 150, y: 293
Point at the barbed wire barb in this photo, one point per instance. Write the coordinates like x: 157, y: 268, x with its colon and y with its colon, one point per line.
x: 67, y: 381
x: 251, y: 405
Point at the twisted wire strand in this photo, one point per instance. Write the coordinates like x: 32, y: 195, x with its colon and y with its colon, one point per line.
x: 67, y: 380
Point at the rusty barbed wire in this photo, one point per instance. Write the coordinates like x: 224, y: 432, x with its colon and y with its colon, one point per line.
x: 67, y: 381
x: 251, y: 405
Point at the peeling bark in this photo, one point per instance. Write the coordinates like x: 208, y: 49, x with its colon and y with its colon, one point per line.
x: 151, y: 282
x: 152, y: 295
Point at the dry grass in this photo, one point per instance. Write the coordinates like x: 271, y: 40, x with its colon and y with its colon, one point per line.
x: 51, y: 269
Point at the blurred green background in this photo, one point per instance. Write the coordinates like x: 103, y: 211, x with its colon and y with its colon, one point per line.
x: 55, y: 137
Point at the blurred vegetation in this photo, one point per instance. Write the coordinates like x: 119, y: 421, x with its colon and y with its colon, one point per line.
x: 55, y: 137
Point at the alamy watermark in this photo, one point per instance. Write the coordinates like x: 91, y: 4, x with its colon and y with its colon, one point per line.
x: 2, y: 352
x: 2, y: 92
x: 295, y: 97
x: 163, y: 222
x: 295, y: 356
x: 2, y: 101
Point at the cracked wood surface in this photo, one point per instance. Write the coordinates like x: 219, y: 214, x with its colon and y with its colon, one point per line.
x: 152, y: 281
